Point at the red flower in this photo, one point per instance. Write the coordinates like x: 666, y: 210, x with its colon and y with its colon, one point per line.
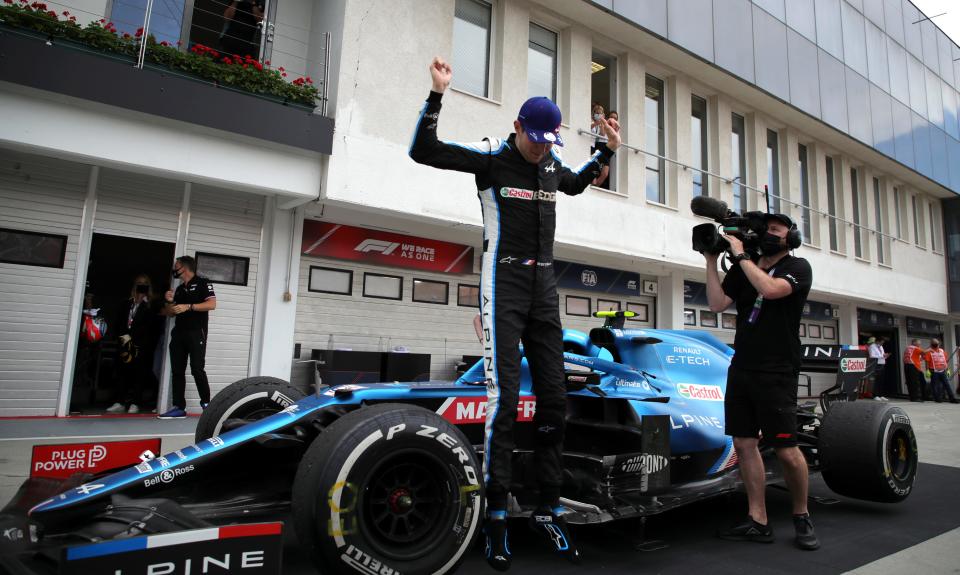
x: 164, y: 43
x: 244, y: 66
x: 139, y: 32
x: 258, y: 65
x: 267, y: 62
x: 126, y: 36
x: 227, y: 60
x: 179, y: 43
x: 8, y: 1
x: 52, y: 14
x: 65, y: 13
x: 284, y: 74
x: 309, y: 81
x: 73, y: 18
x: 280, y: 68
x: 103, y: 20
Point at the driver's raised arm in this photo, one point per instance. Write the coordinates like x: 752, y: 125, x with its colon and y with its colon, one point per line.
x: 427, y: 149
x: 574, y: 181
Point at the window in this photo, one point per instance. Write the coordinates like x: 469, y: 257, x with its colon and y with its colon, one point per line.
x: 689, y: 316
x: 919, y: 231
x: 934, y: 228
x: 738, y: 159
x: 879, y: 199
x: 813, y: 331
x: 166, y: 21
x: 427, y: 291
x: 229, y: 270
x: 32, y: 248
x: 698, y: 144
x: 855, y: 196
x: 578, y: 306
x: 641, y: 309
x: 708, y: 318
x: 805, y: 228
x: 330, y: 280
x: 832, y: 203
x: 603, y: 92
x: 382, y: 286
x: 542, y: 63
x: 468, y: 295
x: 829, y: 332
x: 208, y: 24
x: 803, y: 330
x: 897, y: 212
x: 773, y: 171
x: 471, y: 46
x: 728, y: 320
x: 607, y: 305
x: 654, y: 140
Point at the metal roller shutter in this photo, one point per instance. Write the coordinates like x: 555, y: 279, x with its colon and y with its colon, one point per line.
x: 41, y: 195
x: 138, y: 206
x: 227, y: 223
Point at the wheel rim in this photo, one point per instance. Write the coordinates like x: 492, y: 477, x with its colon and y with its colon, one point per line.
x: 900, y: 455
x: 249, y: 413
x: 406, y: 504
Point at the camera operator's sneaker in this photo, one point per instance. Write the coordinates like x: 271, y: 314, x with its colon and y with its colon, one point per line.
x: 553, y: 526
x: 748, y: 530
x: 806, y: 538
x: 133, y: 408
x: 116, y: 408
x: 174, y: 413
x: 497, y: 550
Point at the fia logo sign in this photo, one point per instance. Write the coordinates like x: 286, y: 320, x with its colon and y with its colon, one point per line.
x: 588, y: 278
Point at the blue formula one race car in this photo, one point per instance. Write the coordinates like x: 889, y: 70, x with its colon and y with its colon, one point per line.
x: 386, y: 478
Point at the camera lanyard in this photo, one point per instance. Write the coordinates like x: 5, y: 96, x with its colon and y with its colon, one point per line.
x: 758, y: 303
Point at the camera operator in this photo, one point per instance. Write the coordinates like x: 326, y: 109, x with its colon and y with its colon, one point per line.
x: 769, y: 290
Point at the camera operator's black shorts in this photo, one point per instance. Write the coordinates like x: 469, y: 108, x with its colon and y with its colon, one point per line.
x: 762, y: 402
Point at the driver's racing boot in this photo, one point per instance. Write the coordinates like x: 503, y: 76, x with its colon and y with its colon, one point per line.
x: 550, y: 524
x: 497, y: 550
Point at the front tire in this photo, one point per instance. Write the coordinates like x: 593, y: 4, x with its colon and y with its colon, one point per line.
x: 251, y: 398
x: 388, y: 489
x: 868, y: 451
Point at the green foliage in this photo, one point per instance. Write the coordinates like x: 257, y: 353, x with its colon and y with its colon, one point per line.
x: 246, y: 74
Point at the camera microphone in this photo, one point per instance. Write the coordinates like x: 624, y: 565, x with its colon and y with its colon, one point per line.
x: 709, y: 207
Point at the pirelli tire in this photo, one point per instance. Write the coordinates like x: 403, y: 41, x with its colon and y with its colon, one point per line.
x: 388, y: 489
x: 251, y: 398
x: 868, y: 451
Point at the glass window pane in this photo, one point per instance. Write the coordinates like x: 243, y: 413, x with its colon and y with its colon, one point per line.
x: 542, y: 63
x: 911, y: 31
x: 381, y: 286
x: 877, y: 57
x: 32, y: 248
x: 833, y: 90
x: 944, y: 50
x: 928, y: 34
x: 873, y: 10
x: 607, y: 305
x: 733, y: 24
x: 878, y: 199
x: 770, y: 52
x: 950, y: 110
x: 804, y: 192
x: 222, y: 269
x: 328, y: 280
x: 468, y: 295
x: 903, y: 134
x: 800, y: 17
x: 855, y: 196
x: 166, y: 20
x: 471, y: 46
x: 934, y: 99
x: 829, y: 30
x: 893, y: 21
x: 426, y: 291
x: 882, y: 119
x: 738, y: 159
x: 654, y: 139
x: 579, y: 306
x: 691, y: 25
x: 921, y: 146
x: 832, y: 204
x: 773, y: 171
x: 854, y: 39
x: 774, y: 7
x: 918, y: 86
x: 698, y: 144
x: 804, y: 76
x: 858, y: 107
x: 899, y: 80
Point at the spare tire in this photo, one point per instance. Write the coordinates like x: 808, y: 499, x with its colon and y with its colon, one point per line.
x: 388, y: 489
x: 251, y: 398
x: 868, y: 451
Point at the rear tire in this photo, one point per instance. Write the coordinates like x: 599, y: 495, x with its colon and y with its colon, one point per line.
x: 388, y: 489
x: 251, y: 398
x: 868, y: 451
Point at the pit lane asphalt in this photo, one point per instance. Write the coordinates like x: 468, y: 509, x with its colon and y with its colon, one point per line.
x: 938, y: 434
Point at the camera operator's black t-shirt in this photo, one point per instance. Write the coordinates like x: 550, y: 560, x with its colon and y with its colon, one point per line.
x: 197, y: 290
x: 772, y: 343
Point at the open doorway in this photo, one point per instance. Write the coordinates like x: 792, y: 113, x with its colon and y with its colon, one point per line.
x: 891, y: 371
x: 104, y: 375
x: 603, y: 98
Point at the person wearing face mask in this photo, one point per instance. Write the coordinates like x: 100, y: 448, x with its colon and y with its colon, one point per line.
x: 937, y: 368
x: 517, y: 182
x: 139, y: 332
x: 191, y: 304
x: 761, y: 398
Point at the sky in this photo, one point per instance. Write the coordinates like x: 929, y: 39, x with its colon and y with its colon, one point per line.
x: 950, y: 22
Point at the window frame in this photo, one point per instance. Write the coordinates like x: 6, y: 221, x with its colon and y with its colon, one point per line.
x: 566, y: 305
x: 711, y: 323
x: 601, y: 307
x: 879, y: 199
x: 773, y: 171
x: 373, y: 274
x: 556, y: 58
x: 477, y: 300
x: 246, y: 270
x: 834, y: 200
x: 806, y: 214
x: 634, y: 306
x: 856, y: 201
x: 692, y: 314
x: 340, y: 270
x: 64, y: 239
x: 811, y: 328
x: 413, y: 291
x: 738, y: 165
x: 488, y: 80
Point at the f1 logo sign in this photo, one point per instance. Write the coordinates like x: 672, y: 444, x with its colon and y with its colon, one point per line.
x: 384, y: 247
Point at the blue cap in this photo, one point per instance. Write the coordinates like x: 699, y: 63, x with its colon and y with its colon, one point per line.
x: 540, y: 119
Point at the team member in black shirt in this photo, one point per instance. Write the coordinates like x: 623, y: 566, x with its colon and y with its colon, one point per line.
x: 769, y: 293
x: 191, y: 304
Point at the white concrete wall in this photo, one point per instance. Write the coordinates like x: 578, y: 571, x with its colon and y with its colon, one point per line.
x: 370, y: 169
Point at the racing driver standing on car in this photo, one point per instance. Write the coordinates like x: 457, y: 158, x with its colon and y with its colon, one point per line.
x: 769, y: 293
x: 517, y: 181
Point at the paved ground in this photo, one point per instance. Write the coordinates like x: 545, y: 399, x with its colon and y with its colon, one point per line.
x: 937, y: 427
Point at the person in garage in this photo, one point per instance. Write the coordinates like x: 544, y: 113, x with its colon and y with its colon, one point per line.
x: 517, y: 180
